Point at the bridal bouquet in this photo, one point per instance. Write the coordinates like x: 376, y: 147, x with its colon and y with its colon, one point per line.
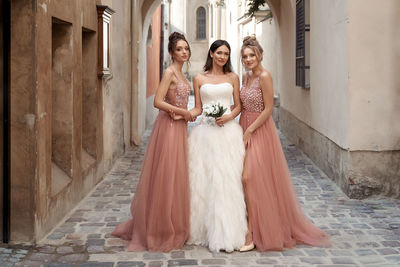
x: 213, y: 109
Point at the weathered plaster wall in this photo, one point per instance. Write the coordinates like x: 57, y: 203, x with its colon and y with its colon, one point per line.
x: 116, y: 89
x: 374, y: 80
x: 325, y: 106
x: 199, y: 47
x: 23, y: 120
x: 345, y: 122
x: 153, y: 66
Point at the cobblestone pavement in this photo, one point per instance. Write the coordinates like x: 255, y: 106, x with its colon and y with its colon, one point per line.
x: 364, y: 233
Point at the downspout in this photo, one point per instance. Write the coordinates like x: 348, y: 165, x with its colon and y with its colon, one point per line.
x: 6, y: 10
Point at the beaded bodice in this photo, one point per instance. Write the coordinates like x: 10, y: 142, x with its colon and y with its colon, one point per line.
x: 251, y: 96
x: 179, y: 96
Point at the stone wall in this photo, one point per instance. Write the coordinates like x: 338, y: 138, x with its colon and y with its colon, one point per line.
x: 359, y: 174
x: 67, y: 125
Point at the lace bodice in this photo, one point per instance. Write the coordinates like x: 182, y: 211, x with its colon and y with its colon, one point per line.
x: 179, y: 96
x: 251, y: 97
x: 222, y: 92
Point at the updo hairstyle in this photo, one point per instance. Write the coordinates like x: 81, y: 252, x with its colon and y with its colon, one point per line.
x: 173, y: 40
x: 252, y: 43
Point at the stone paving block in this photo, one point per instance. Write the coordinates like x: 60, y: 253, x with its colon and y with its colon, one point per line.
x: 270, y: 254
x: 342, y: 260
x: 154, y: 256
x: 367, y: 244
x: 94, y: 236
x: 131, y: 264
x: 42, y: 257
x: 213, y: 262
x: 266, y: 261
x: 96, y: 264
x: 313, y: 260
x: 65, y: 250
x: 177, y: 254
x: 182, y: 262
x: 387, y: 251
x: 95, y: 242
x: 72, y: 258
x: 391, y: 243
x: 57, y: 264
x: 316, y: 253
x: 365, y: 252
x: 155, y: 264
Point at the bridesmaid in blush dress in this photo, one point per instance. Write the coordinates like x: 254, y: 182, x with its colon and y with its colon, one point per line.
x: 275, y: 218
x: 160, y: 207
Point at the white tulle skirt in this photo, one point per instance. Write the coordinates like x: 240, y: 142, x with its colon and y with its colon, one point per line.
x: 217, y: 207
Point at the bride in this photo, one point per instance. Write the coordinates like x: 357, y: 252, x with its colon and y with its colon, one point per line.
x: 216, y: 153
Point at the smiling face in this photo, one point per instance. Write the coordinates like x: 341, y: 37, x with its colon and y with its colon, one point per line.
x: 249, y: 58
x: 181, y: 52
x: 220, y: 56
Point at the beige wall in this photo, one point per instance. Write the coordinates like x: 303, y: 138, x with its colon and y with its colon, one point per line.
x: 267, y: 35
x: 232, y: 33
x: 325, y: 106
x: 116, y: 89
x: 374, y: 80
x: 329, y: 99
x: 199, y: 47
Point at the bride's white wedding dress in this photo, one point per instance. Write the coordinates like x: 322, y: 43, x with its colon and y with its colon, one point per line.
x: 217, y: 211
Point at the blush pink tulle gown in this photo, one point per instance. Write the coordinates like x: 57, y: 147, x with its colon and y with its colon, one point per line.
x: 160, y: 207
x: 274, y: 213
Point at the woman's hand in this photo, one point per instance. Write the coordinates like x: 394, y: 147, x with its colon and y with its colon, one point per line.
x: 246, y: 138
x: 174, y: 116
x: 188, y: 116
x: 222, y: 120
x: 194, y: 116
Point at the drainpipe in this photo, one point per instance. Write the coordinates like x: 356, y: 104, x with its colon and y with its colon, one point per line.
x: 6, y: 10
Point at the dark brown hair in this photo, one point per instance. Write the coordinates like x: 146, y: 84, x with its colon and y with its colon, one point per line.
x: 173, y: 40
x: 252, y: 43
x: 209, y: 62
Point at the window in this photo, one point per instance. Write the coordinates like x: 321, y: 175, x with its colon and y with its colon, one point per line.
x: 201, y: 23
x: 302, y: 45
x: 104, y: 17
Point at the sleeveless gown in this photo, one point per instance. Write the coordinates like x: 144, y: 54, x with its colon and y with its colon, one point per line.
x: 217, y: 207
x: 275, y: 216
x: 160, y: 207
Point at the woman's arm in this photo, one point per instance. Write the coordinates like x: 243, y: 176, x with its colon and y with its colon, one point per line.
x: 268, y: 98
x: 236, y: 103
x: 162, y: 90
x: 198, y: 107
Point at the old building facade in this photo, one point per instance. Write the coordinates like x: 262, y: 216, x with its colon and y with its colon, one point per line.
x: 83, y: 73
x: 77, y: 99
x: 339, y: 104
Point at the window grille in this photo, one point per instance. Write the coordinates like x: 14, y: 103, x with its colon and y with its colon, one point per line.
x: 301, y: 29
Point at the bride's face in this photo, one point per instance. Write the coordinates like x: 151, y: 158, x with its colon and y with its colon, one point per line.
x: 220, y: 55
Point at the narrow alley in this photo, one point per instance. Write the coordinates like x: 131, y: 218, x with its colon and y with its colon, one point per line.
x: 364, y: 232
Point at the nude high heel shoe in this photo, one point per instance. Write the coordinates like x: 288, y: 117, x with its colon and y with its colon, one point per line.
x: 248, y: 247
